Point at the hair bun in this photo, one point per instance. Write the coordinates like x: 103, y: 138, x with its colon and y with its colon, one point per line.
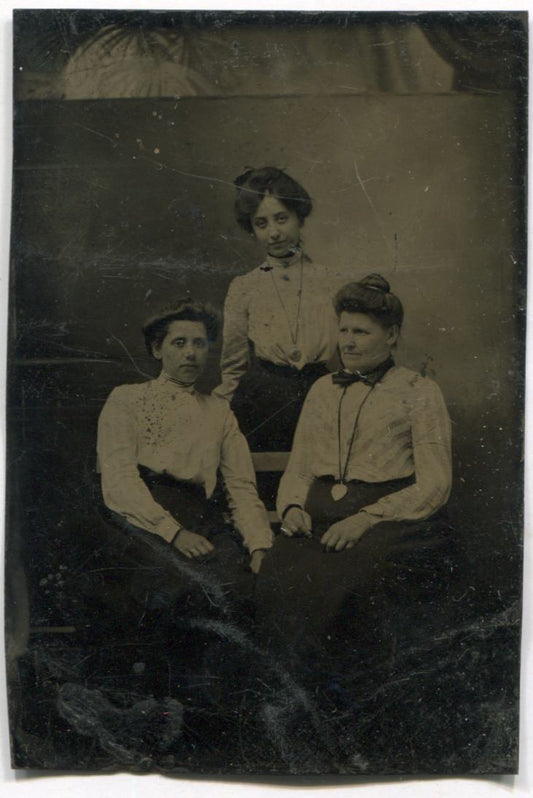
x: 376, y: 282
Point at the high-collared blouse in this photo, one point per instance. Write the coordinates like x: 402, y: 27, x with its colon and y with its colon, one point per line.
x: 283, y: 307
x: 177, y: 431
x: 403, y: 430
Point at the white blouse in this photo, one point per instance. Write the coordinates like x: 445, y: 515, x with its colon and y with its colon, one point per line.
x: 403, y: 429
x: 177, y: 431
x: 282, y: 308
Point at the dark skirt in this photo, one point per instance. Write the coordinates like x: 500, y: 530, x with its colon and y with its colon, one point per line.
x: 267, y: 404
x: 268, y: 401
x: 143, y: 581
x: 188, y: 624
x: 357, y: 602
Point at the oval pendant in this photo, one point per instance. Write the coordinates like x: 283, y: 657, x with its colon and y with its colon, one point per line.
x: 339, y: 491
x: 295, y: 355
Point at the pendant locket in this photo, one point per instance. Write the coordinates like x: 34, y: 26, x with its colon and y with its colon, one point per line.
x: 339, y: 491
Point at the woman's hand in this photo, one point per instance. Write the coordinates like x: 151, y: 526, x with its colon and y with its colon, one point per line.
x: 256, y: 558
x: 296, y: 522
x: 345, y: 534
x: 191, y: 544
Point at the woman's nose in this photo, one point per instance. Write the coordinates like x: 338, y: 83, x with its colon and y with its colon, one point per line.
x: 273, y: 231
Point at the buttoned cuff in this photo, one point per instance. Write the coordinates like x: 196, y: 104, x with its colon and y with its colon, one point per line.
x: 262, y: 542
x: 289, y: 507
x: 168, y: 529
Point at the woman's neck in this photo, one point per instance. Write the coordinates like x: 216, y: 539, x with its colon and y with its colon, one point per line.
x: 166, y: 378
x: 293, y: 257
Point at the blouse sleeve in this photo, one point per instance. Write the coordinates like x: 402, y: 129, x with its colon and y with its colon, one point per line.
x: 295, y: 482
x: 234, y: 358
x: 431, y: 441
x: 123, y: 489
x: 248, y: 512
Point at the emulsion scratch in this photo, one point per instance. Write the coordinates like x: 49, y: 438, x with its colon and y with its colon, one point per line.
x: 160, y: 165
x: 370, y: 202
x: 363, y: 187
x: 134, y: 364
x: 96, y: 132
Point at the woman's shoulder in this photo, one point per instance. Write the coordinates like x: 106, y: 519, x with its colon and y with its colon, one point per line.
x: 128, y: 392
x: 216, y: 407
x: 321, y: 388
x: 414, y: 382
x: 411, y: 376
x: 244, y: 285
x: 249, y: 278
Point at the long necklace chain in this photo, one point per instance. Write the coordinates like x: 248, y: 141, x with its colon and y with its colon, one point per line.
x: 294, y: 336
x: 343, y: 471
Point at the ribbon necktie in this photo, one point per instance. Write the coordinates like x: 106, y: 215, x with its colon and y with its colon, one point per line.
x: 345, y: 378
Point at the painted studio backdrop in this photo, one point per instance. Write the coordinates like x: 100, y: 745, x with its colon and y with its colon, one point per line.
x: 408, y: 131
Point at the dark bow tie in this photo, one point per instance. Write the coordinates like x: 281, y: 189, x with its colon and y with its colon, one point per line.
x: 345, y: 378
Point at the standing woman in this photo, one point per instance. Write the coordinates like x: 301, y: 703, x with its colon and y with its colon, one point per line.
x: 279, y: 325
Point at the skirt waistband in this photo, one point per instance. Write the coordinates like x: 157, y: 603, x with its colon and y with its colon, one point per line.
x: 153, y: 478
x: 391, y: 484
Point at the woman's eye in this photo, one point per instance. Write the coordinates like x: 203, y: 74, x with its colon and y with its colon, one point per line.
x: 200, y: 343
x: 260, y: 223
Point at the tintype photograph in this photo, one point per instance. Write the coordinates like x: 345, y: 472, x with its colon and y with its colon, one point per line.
x: 266, y: 392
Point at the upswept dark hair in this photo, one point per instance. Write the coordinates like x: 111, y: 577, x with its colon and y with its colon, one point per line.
x: 254, y: 184
x: 371, y: 295
x: 156, y: 328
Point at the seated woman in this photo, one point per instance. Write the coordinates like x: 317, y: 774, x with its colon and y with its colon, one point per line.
x: 362, y: 500
x: 161, y: 447
x: 279, y: 325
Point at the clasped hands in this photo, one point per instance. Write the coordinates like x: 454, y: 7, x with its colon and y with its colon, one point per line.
x: 193, y: 545
x: 340, y: 535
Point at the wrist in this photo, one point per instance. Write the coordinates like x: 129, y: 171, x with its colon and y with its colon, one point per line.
x: 176, y: 534
x: 368, y: 519
x: 289, y: 507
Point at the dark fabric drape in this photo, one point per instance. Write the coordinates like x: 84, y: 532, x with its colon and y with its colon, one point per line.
x: 487, y: 52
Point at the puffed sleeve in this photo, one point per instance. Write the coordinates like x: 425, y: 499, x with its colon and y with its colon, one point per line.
x: 123, y: 490
x: 234, y: 357
x: 431, y: 441
x: 236, y: 467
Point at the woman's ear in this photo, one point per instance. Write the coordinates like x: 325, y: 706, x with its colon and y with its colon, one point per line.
x: 156, y: 351
x: 393, y: 335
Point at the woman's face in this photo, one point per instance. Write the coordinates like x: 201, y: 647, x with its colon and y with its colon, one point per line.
x: 183, y: 352
x: 363, y: 342
x: 276, y: 227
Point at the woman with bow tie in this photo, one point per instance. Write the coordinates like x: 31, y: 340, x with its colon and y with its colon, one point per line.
x: 362, y: 500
